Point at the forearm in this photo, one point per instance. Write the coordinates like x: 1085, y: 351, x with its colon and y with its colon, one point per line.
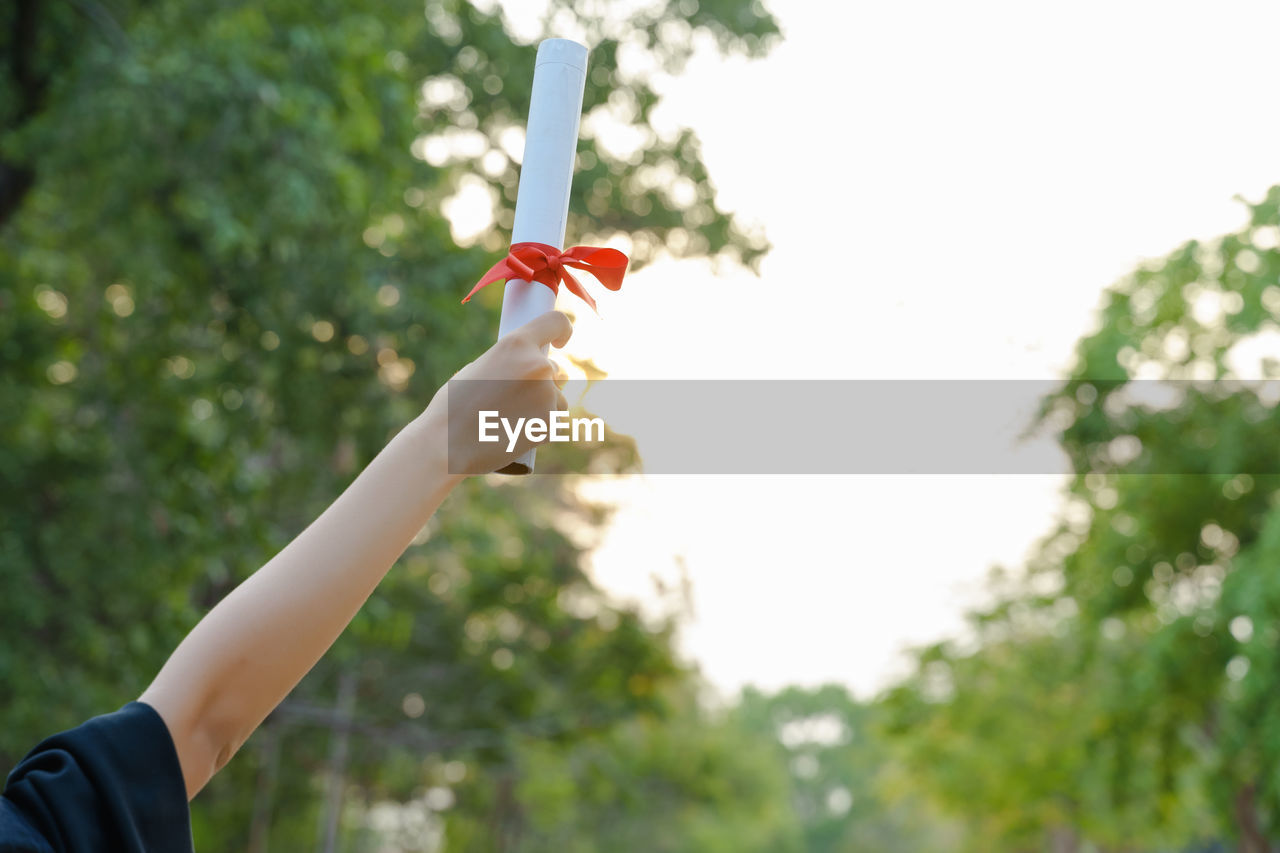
x: 246, y: 655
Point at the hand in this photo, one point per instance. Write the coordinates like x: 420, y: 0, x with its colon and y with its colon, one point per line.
x: 519, y: 382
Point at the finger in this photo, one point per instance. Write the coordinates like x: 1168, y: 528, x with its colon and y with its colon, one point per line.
x: 543, y: 368
x: 553, y: 327
x: 558, y: 374
x: 562, y: 405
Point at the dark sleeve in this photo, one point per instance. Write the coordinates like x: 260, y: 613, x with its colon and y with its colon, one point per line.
x: 111, y: 784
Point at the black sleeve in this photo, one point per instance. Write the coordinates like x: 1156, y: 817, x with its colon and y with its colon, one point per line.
x: 111, y: 784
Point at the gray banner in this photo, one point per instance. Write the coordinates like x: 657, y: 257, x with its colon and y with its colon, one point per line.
x: 808, y: 427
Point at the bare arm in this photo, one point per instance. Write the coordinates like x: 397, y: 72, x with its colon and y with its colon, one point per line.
x: 250, y: 650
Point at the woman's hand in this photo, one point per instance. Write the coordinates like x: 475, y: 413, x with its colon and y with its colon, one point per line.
x: 513, y: 377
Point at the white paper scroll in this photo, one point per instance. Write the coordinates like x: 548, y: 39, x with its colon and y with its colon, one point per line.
x: 546, y: 176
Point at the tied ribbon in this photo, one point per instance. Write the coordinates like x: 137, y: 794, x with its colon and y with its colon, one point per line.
x: 547, y: 265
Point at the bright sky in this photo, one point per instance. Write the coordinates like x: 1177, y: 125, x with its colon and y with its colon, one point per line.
x: 948, y: 188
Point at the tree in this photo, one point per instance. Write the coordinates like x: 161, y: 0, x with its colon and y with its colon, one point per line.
x: 226, y: 279
x: 689, y: 780
x: 1140, y: 647
x: 845, y: 783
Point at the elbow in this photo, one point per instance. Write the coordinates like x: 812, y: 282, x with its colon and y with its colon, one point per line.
x: 212, y: 746
x: 204, y: 738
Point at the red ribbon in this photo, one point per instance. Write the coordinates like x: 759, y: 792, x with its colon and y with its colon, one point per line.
x: 546, y: 265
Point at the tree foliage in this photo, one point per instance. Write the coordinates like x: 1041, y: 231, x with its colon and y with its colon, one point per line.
x: 225, y: 280
x: 1117, y: 694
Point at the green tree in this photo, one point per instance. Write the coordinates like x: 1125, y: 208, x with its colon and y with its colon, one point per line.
x: 1170, y: 558
x: 1118, y: 693
x: 225, y: 280
x: 690, y: 780
x: 845, y: 783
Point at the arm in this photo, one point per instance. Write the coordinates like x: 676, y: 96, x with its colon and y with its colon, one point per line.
x: 250, y: 650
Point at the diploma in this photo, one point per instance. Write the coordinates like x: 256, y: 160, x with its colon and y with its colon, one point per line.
x: 546, y: 175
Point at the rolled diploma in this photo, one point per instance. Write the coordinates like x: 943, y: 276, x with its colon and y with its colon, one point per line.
x: 546, y: 175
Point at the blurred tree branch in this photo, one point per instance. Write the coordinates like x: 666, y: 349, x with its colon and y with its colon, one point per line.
x: 28, y: 90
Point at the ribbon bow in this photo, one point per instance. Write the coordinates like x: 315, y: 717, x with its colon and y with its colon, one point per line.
x: 547, y: 265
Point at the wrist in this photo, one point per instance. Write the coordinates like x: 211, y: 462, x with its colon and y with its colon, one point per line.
x: 429, y: 435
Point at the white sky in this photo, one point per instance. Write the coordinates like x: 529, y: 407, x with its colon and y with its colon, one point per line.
x: 980, y: 171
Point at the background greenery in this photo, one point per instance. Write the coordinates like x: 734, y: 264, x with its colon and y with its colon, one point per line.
x: 225, y: 281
